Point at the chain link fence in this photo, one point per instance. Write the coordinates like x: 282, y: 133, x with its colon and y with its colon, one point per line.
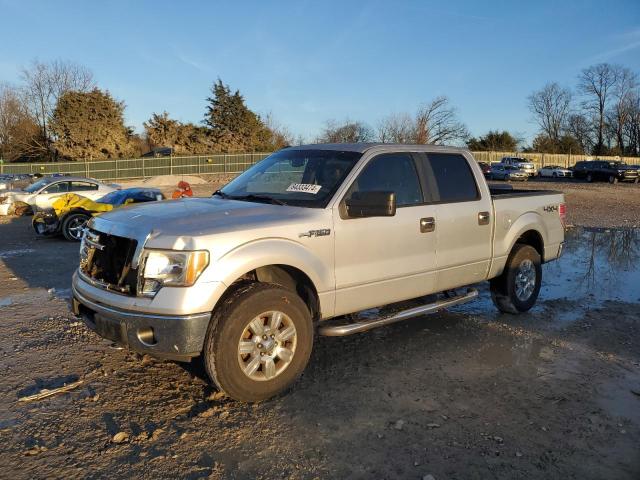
x: 128, y: 169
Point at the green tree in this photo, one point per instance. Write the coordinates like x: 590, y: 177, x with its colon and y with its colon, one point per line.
x: 564, y: 144
x: 494, y: 141
x: 90, y: 125
x: 233, y: 127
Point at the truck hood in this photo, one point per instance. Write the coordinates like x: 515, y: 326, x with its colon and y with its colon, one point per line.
x: 194, y: 217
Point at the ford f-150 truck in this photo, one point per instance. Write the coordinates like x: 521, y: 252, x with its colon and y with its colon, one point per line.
x: 298, y: 242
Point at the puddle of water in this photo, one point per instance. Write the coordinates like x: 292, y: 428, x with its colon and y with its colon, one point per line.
x: 598, y: 265
x: 6, y: 301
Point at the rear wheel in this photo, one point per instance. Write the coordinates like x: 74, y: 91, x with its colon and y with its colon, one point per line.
x: 259, y: 342
x: 73, y: 226
x: 589, y: 177
x: 517, y: 289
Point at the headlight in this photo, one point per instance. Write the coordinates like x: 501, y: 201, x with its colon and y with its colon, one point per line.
x: 171, y: 268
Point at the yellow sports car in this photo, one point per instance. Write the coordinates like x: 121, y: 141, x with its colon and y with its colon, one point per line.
x: 71, y: 212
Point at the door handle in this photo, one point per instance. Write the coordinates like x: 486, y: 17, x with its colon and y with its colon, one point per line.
x: 427, y: 224
x: 483, y: 218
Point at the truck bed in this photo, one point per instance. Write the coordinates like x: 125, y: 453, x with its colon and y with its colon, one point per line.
x: 507, y: 191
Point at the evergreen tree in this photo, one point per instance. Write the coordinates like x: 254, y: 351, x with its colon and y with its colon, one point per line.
x: 90, y: 125
x: 232, y: 126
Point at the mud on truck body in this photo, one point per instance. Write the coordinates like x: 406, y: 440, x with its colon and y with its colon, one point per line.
x: 299, y: 241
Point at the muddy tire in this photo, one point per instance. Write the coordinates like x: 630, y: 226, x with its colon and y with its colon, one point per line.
x: 73, y: 226
x: 517, y: 289
x: 258, y: 342
x: 613, y: 179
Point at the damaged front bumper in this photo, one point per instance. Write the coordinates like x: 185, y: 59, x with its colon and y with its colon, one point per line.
x: 174, y: 337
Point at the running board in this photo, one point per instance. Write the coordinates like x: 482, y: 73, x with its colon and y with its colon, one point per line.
x: 358, y: 327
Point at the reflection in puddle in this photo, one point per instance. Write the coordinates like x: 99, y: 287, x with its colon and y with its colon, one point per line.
x: 598, y: 265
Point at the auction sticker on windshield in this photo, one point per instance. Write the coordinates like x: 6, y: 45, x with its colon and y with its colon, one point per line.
x: 304, y: 188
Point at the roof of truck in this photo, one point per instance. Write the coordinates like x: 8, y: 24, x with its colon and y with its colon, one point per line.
x: 363, y: 147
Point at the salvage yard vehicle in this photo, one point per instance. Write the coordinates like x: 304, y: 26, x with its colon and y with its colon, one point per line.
x: 300, y: 241
x: 521, y: 163
x: 555, y: 171
x: 41, y: 194
x: 70, y: 213
x: 508, y: 172
x: 606, y: 170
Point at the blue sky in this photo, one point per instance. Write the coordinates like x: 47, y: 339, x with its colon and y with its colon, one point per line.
x: 307, y: 62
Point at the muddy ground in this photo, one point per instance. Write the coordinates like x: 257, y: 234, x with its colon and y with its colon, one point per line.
x: 463, y: 394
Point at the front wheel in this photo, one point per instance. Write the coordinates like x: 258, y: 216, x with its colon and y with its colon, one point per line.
x: 259, y: 342
x: 516, y: 289
x: 589, y: 177
x: 613, y: 179
x: 73, y: 226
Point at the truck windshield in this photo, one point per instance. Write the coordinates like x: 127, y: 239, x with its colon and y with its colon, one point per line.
x: 306, y: 178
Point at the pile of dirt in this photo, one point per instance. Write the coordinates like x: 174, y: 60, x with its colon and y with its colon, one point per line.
x: 169, y: 180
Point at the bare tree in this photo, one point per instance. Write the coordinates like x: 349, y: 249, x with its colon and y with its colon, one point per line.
x: 595, y: 83
x: 346, y: 132
x: 579, y: 127
x: 18, y: 131
x: 45, y: 83
x: 632, y: 126
x: 624, y: 92
x: 435, y: 122
x: 397, y: 128
x: 438, y: 124
x: 550, y: 107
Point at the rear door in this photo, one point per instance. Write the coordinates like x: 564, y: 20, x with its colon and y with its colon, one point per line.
x: 380, y: 260
x: 464, y: 220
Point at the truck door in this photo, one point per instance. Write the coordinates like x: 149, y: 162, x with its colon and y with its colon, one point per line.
x: 380, y: 260
x: 463, y: 223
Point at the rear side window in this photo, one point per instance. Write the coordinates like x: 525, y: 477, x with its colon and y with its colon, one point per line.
x: 394, y: 172
x: 81, y: 186
x: 450, y: 178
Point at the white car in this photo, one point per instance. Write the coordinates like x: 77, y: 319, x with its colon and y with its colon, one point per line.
x: 555, y: 171
x: 41, y: 194
x: 521, y: 163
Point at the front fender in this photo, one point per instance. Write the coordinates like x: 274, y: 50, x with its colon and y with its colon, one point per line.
x: 271, y: 251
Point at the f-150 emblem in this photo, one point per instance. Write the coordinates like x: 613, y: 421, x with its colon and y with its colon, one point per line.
x: 316, y: 233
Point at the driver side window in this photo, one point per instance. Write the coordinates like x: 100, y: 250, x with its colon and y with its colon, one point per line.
x: 394, y: 172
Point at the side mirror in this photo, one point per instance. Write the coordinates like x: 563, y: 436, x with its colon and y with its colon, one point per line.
x: 371, y: 204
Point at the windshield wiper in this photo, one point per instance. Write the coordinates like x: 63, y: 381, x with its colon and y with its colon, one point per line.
x: 256, y: 198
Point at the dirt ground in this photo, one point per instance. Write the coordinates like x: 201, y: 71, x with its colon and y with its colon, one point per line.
x: 463, y: 394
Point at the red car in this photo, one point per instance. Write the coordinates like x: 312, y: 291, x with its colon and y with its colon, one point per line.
x: 486, y: 168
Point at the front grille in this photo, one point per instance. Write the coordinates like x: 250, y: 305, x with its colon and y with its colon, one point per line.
x: 106, y: 260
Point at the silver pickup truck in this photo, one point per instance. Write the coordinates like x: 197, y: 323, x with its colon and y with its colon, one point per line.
x: 299, y: 241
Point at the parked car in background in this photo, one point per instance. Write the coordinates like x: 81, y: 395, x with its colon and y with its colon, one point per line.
x: 554, y: 171
x: 500, y: 171
x: 521, y: 163
x: 41, y: 194
x: 9, y: 181
x: 605, y: 170
x: 71, y: 212
x: 486, y: 169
